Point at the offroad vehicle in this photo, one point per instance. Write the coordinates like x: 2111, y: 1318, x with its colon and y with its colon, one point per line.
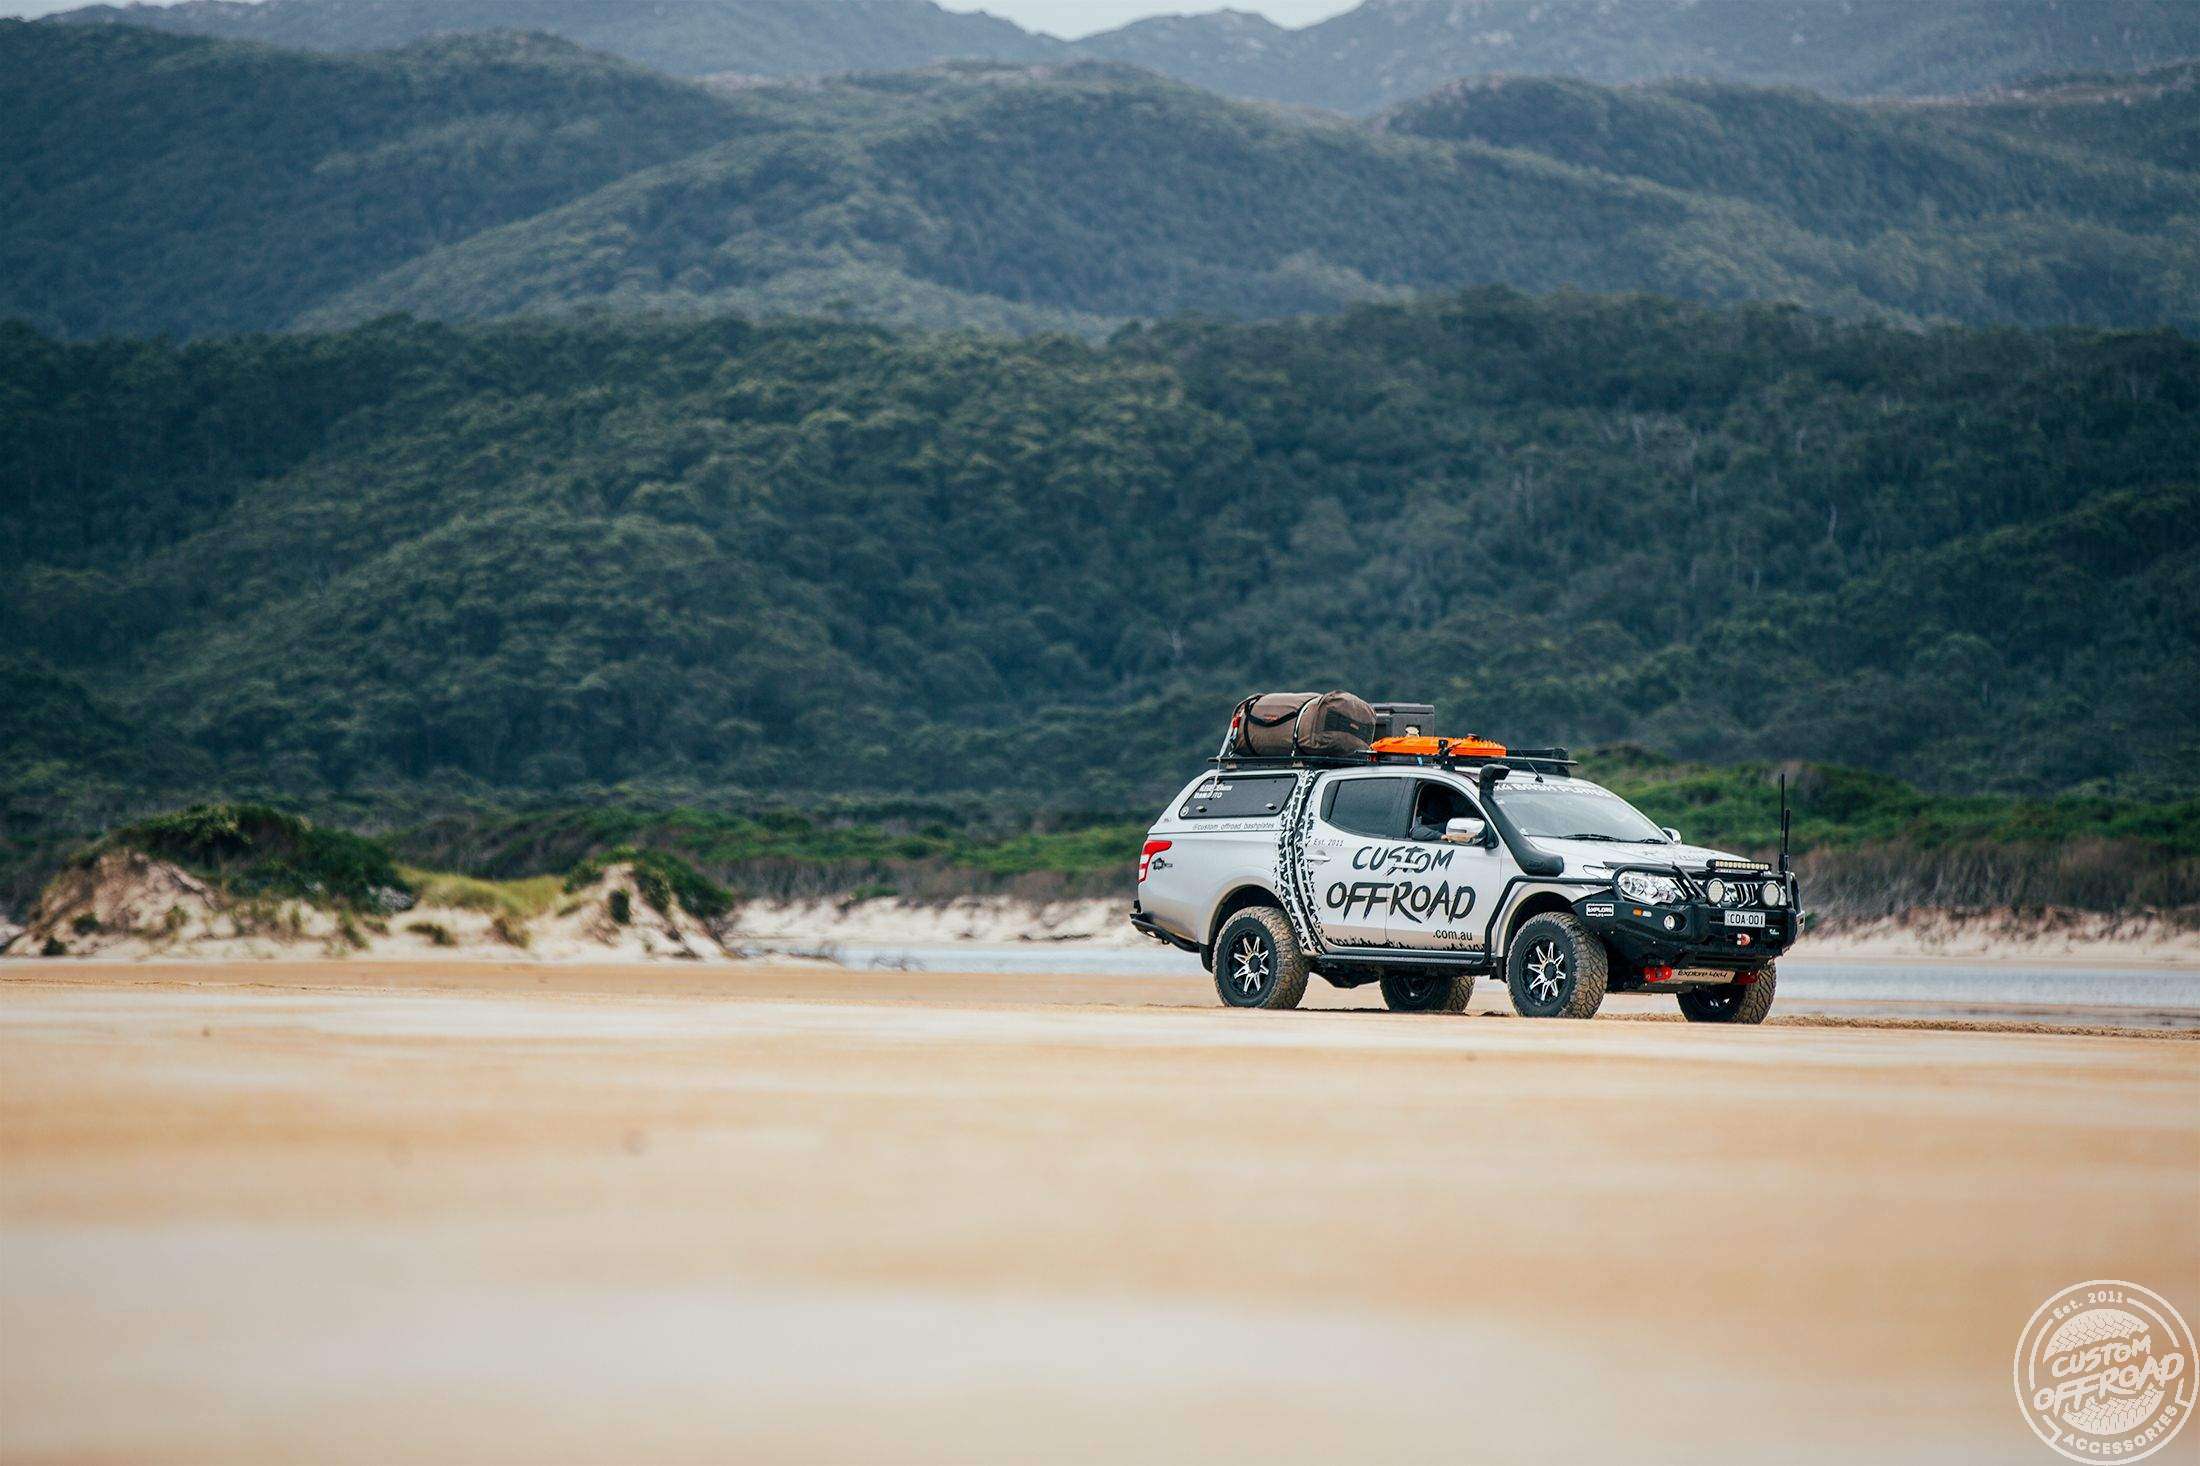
x: 1424, y: 863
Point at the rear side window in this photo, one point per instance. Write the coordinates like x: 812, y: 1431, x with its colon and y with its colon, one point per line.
x: 1368, y: 807
x: 1226, y: 798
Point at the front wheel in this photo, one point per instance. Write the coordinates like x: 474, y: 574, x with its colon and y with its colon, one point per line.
x: 1431, y: 992
x: 1733, y: 1003
x: 1556, y: 968
x: 1258, y: 963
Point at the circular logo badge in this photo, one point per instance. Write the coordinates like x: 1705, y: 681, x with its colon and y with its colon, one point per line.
x: 2105, y: 1371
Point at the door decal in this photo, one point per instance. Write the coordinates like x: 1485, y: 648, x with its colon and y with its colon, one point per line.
x: 1294, y: 880
x: 1416, y: 903
x: 1412, y: 860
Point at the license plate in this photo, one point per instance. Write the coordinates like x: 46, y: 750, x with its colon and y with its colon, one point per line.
x: 1745, y: 918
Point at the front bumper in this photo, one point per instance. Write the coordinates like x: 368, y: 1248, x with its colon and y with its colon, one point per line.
x: 1687, y: 935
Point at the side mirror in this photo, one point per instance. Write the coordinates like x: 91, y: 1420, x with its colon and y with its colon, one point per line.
x: 1673, y: 835
x: 1465, y: 831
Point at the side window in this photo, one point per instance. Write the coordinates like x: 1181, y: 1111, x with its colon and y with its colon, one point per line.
x: 1223, y: 797
x: 1436, y: 805
x: 1367, y: 807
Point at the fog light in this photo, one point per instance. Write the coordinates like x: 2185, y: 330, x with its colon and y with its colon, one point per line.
x: 1672, y: 923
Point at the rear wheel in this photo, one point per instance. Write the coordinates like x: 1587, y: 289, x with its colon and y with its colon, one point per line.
x: 1732, y: 1003
x: 1427, y: 992
x: 1556, y: 968
x: 1258, y: 963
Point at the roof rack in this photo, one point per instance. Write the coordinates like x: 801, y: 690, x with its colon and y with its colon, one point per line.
x: 1542, y: 760
x: 1532, y: 760
x: 1295, y: 761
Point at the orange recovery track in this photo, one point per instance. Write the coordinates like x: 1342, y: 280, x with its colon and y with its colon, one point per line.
x: 1426, y: 747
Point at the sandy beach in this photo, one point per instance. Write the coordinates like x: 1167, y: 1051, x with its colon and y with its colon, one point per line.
x: 472, y: 1211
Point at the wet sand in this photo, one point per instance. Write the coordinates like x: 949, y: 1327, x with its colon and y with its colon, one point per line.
x: 499, y: 1212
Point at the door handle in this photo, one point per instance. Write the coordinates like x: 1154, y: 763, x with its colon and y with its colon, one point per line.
x: 1317, y: 857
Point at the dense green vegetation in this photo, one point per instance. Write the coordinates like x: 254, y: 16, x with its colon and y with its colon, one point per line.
x: 2151, y: 117
x: 809, y: 607
x: 662, y: 878
x: 160, y: 183
x: 256, y: 851
x: 688, y: 38
x: 931, y: 853
x: 1376, y: 55
x: 798, y: 565
x: 1099, y: 193
x: 1738, y: 807
x: 920, y: 850
x: 166, y: 183
x: 1359, y: 61
x: 1836, y: 168
x: 1868, y: 845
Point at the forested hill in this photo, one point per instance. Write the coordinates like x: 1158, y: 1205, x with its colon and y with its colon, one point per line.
x: 2149, y: 117
x: 1385, y: 51
x: 808, y: 560
x: 1844, y: 171
x: 160, y: 183
x: 1097, y: 194
x: 1370, y: 57
x: 684, y: 38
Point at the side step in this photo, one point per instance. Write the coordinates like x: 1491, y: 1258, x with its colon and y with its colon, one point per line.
x: 1477, y: 963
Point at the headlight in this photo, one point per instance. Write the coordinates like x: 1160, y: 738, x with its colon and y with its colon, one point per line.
x: 1638, y: 885
x: 1775, y: 894
x: 1716, y: 890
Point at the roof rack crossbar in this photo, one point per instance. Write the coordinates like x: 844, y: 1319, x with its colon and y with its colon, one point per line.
x: 1294, y: 760
x: 1535, y: 760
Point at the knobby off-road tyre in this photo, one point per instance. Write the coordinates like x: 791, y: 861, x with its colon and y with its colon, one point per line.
x: 1732, y: 1004
x: 1556, y: 968
x: 1258, y: 963
x: 1427, y: 992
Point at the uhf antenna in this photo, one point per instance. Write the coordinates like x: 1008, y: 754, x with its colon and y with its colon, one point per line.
x: 1783, y: 822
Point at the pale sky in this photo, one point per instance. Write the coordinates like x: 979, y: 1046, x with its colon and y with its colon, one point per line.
x: 1065, y: 18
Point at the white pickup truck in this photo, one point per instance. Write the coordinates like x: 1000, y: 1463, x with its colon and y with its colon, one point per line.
x: 1423, y: 872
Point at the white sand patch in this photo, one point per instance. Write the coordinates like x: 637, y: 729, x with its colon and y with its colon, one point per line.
x: 613, y: 919
x: 2050, y: 935
x: 127, y: 904
x: 980, y: 920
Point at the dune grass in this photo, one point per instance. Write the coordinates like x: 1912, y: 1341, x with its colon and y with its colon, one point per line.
x: 518, y: 900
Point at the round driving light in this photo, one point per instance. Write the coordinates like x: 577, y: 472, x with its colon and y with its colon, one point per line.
x: 1672, y: 923
x: 1775, y: 894
x: 1716, y: 890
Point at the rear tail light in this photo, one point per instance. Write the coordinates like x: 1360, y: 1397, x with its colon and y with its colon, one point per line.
x: 1145, y: 856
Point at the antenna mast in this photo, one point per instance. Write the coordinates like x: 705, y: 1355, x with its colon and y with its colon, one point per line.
x: 1783, y: 822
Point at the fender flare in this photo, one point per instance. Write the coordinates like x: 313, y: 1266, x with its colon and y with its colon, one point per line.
x: 1234, y: 900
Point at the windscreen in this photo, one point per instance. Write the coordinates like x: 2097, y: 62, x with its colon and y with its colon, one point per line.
x: 1574, y: 810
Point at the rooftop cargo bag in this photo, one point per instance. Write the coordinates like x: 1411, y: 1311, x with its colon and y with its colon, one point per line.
x: 1282, y: 724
